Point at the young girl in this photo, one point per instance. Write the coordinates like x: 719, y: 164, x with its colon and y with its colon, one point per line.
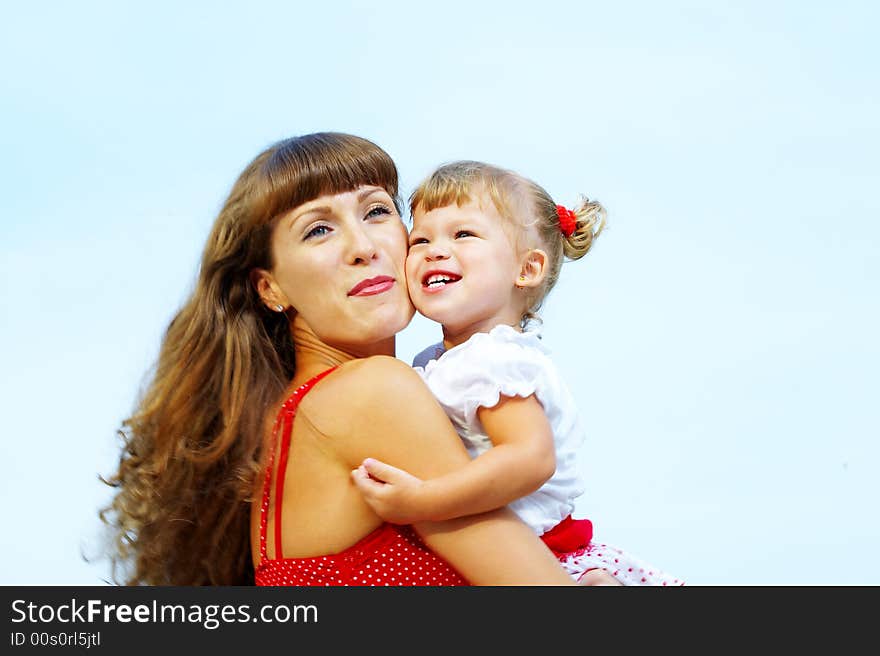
x: 486, y: 248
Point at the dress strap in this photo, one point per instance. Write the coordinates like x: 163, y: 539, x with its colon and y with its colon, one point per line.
x: 284, y: 425
x: 264, y: 506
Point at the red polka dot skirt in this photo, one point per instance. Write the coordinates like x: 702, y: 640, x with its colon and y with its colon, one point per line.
x: 571, y: 541
x: 625, y: 567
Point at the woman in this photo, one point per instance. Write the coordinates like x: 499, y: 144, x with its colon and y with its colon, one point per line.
x: 301, y: 289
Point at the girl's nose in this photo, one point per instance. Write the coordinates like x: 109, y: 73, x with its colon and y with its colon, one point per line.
x: 436, y: 251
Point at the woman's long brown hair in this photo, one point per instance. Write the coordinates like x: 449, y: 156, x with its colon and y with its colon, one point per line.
x: 192, y: 447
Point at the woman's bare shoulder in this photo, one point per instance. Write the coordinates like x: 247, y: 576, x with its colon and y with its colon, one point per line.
x: 375, y: 407
x: 378, y: 377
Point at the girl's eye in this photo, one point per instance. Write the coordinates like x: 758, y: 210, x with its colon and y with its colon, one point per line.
x: 378, y: 210
x: 418, y: 240
x: 463, y: 233
x: 317, y: 231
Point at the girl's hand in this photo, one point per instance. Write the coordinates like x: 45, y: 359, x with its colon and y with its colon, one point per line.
x: 393, y: 494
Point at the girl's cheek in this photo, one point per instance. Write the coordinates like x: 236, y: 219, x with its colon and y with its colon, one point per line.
x: 409, y: 280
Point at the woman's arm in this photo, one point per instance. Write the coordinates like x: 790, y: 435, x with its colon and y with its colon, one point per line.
x: 389, y: 413
x: 521, y: 460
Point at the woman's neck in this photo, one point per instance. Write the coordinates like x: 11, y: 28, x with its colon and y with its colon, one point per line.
x: 313, y: 355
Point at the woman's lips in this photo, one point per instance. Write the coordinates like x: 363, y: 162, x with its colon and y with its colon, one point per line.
x: 372, y: 286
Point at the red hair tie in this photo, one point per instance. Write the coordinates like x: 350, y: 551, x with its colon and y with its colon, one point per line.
x: 567, y: 220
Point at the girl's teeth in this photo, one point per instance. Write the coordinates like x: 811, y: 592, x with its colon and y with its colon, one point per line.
x: 439, y: 279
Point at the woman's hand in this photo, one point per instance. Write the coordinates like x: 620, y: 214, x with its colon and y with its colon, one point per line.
x: 393, y: 494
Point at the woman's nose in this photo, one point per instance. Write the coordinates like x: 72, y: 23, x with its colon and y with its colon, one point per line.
x: 361, y: 246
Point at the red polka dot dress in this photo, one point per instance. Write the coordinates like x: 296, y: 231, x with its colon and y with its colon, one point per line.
x: 390, y: 555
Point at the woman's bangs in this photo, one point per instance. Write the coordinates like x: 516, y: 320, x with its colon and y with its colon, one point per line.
x: 301, y: 170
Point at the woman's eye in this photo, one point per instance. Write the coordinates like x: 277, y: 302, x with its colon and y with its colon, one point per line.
x: 317, y: 231
x: 379, y: 210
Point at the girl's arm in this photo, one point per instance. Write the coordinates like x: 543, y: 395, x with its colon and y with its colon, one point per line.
x: 389, y: 412
x: 521, y: 460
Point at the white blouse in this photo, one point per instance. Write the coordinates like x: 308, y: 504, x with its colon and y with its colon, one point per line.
x: 505, y: 361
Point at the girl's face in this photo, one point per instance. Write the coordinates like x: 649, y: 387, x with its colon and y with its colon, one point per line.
x: 462, y: 268
x: 339, y: 262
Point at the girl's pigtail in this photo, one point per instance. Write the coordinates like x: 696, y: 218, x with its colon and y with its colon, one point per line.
x: 589, y: 220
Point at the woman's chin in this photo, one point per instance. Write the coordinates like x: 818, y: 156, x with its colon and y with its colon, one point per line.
x: 404, y: 319
x: 390, y: 322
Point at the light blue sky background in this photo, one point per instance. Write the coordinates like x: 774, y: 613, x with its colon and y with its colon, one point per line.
x: 721, y: 339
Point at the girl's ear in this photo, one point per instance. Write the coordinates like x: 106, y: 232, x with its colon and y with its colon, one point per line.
x: 271, y: 295
x: 534, y: 268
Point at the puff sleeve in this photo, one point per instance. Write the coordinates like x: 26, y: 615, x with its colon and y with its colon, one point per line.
x: 477, y: 373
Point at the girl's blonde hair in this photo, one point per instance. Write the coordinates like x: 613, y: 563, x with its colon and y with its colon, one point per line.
x: 192, y: 447
x: 525, y: 204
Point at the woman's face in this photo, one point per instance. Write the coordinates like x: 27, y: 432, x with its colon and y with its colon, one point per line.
x: 339, y: 262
